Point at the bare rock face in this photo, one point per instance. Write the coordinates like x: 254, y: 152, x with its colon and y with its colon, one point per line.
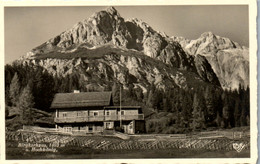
x: 228, y: 59
x: 157, y: 45
x: 129, y: 69
x: 204, y: 70
x: 174, y: 55
x: 108, y: 28
x: 209, y: 43
x: 102, y: 27
x: 181, y: 40
x: 232, y: 67
x: 138, y: 30
x: 153, y: 46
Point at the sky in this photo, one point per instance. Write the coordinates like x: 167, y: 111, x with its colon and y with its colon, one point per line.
x: 28, y: 27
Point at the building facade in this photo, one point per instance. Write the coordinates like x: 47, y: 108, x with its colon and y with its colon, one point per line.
x: 93, y: 112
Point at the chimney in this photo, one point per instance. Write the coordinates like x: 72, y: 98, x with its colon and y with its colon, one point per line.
x: 76, y: 91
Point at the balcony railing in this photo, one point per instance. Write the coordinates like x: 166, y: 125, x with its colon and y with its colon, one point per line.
x: 98, y: 118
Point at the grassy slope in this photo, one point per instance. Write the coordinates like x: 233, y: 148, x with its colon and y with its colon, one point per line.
x: 14, y: 121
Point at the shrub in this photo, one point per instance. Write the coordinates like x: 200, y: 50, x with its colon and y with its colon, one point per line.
x: 170, y: 130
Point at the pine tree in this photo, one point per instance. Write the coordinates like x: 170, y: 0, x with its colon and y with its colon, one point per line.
x: 175, y: 101
x: 237, y: 113
x: 219, y: 107
x: 166, y: 104
x: 14, y: 90
x: 25, y: 105
x: 218, y: 119
x: 131, y: 90
x: 139, y: 94
x: 226, y: 117
x: 158, y: 100
x: 245, y: 105
x: 227, y: 114
x: 116, y: 94
x: 43, y: 87
x: 210, y: 102
x: 186, y: 106
x: 150, y: 99
x: 198, y: 118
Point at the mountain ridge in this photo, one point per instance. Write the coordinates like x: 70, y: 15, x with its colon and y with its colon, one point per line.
x: 108, y: 28
x: 221, y: 53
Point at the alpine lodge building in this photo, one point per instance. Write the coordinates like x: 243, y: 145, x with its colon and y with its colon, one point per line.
x: 93, y: 112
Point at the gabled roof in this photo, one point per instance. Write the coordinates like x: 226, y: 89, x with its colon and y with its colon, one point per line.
x: 83, y: 99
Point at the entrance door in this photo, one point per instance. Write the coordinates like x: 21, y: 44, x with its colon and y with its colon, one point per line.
x: 90, y: 128
x: 109, y: 125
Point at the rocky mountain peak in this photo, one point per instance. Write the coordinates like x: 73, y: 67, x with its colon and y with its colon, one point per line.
x: 102, y: 27
x: 220, y: 52
x: 207, y: 34
x: 108, y: 28
x: 111, y: 10
x: 207, y: 43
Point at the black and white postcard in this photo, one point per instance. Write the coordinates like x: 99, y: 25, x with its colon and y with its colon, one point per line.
x: 128, y: 82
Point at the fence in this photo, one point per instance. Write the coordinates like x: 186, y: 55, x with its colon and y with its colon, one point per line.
x: 38, y: 129
x: 52, y: 141
x: 226, y: 134
x: 200, y: 135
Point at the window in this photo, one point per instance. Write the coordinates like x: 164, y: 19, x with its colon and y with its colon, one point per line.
x: 95, y: 113
x: 67, y: 129
x: 122, y: 112
x: 107, y: 113
x: 78, y: 114
x: 64, y: 114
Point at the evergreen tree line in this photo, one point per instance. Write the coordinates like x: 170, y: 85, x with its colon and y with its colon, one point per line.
x: 198, y: 109
x: 190, y: 109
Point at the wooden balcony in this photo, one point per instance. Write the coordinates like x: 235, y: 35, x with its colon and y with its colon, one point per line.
x: 98, y: 118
